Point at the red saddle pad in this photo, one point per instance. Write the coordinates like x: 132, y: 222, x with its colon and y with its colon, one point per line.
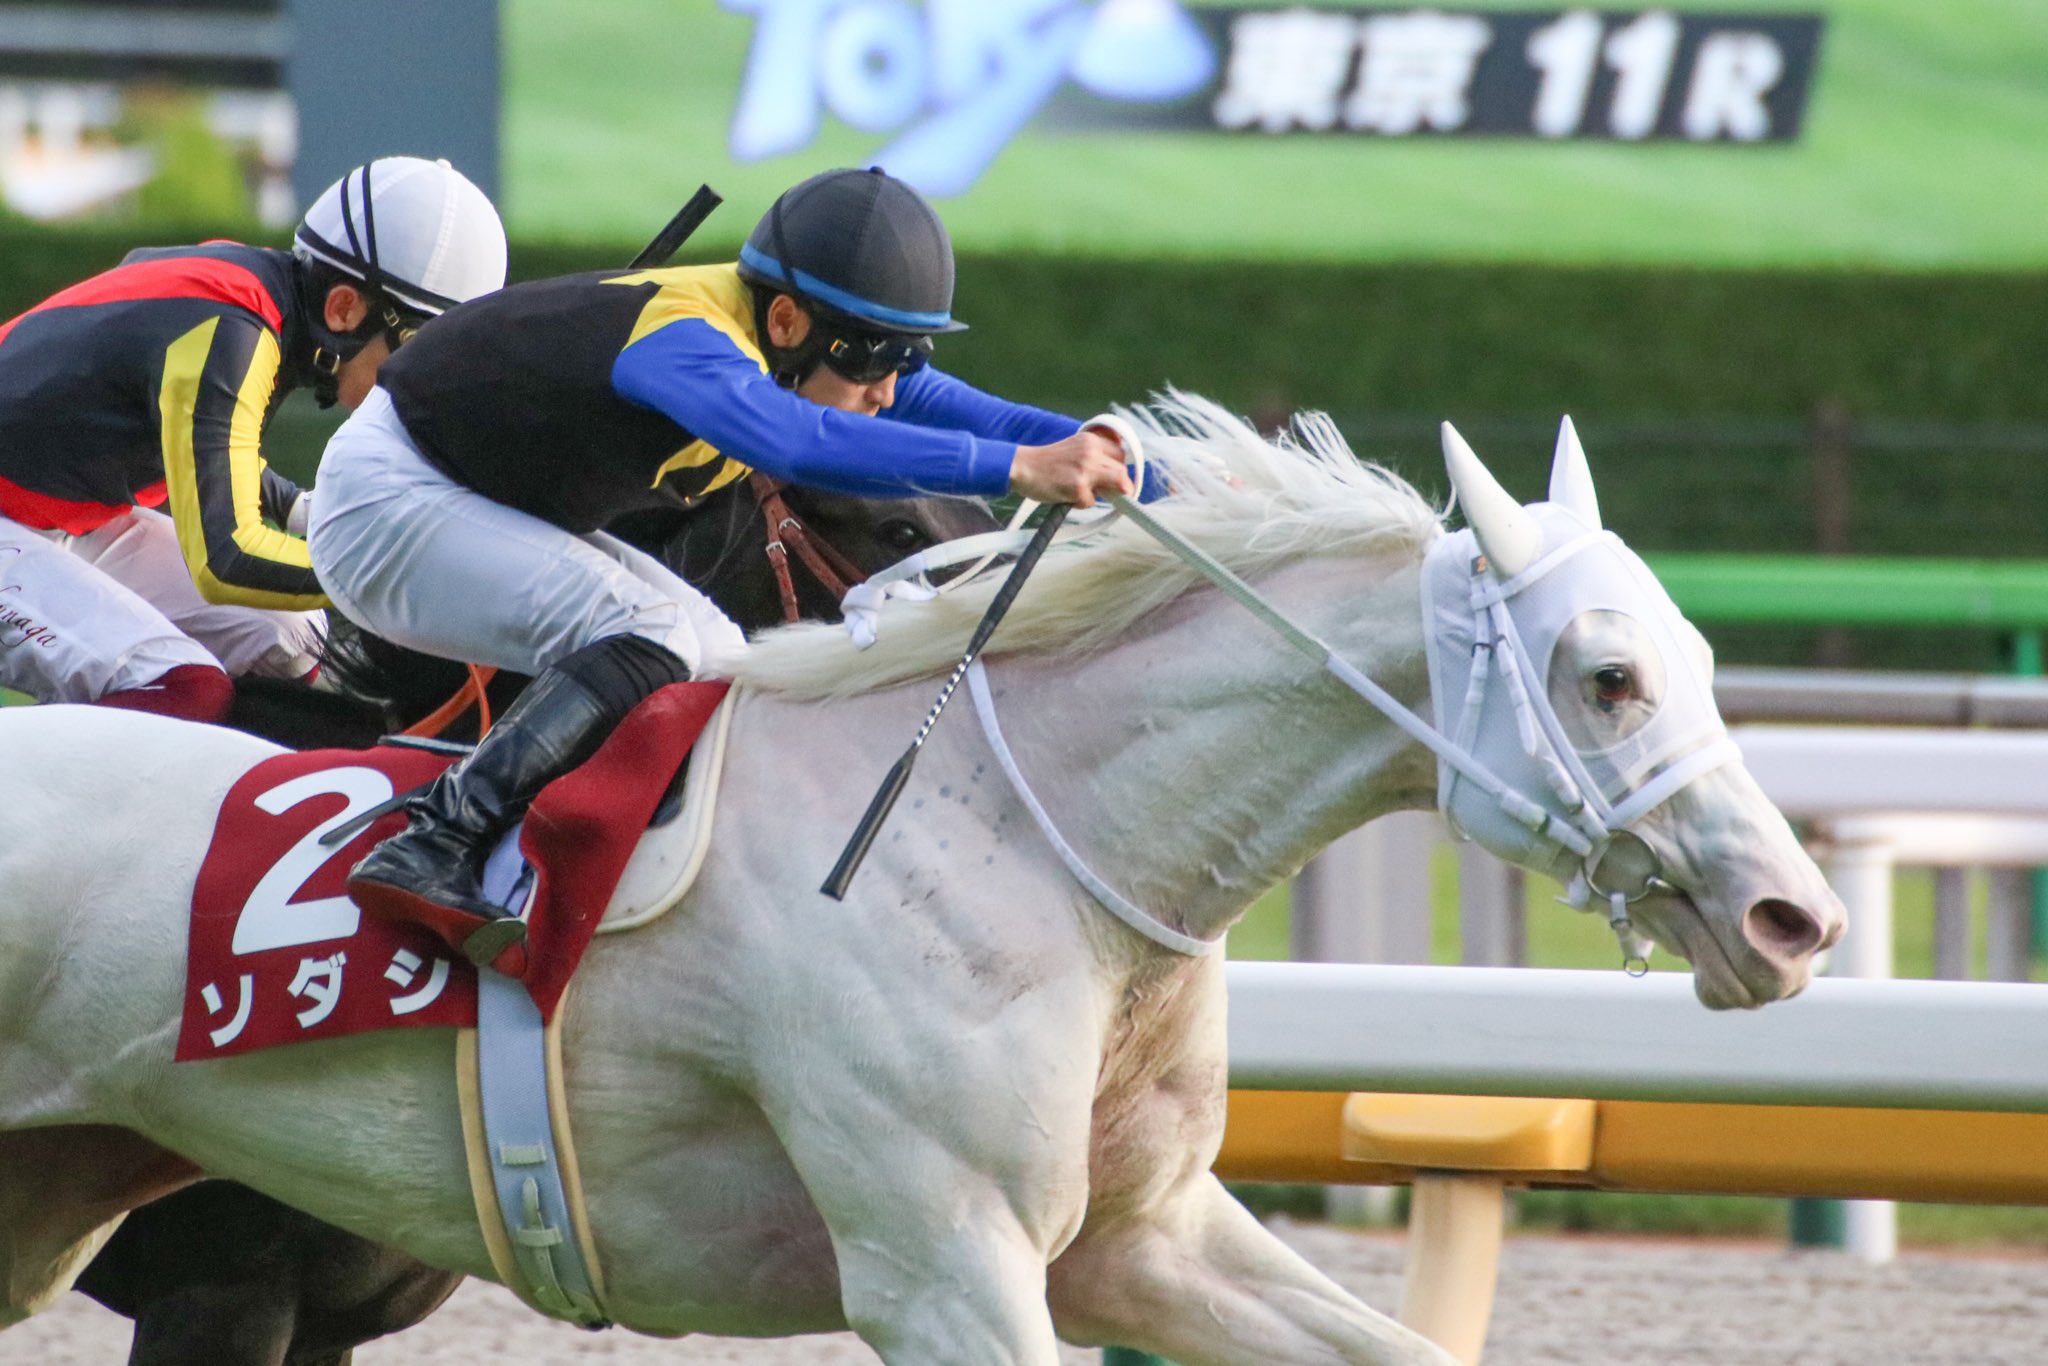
x: 277, y: 951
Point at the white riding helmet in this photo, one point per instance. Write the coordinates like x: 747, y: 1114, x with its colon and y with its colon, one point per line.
x: 417, y: 232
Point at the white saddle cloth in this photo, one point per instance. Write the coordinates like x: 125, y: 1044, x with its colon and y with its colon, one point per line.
x: 669, y: 856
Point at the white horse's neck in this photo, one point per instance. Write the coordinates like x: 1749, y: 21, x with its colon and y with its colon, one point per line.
x: 1196, y: 766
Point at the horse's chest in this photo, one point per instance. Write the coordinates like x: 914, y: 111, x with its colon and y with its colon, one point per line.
x: 1162, y: 1087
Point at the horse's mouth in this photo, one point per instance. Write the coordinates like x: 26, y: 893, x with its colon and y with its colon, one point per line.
x: 1723, y: 988
x: 1678, y: 925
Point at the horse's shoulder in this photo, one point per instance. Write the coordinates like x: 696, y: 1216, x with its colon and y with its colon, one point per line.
x: 95, y: 752
x: 83, y: 723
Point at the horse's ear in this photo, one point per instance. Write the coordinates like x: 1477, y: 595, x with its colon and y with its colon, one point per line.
x: 1571, y: 478
x: 1507, y: 533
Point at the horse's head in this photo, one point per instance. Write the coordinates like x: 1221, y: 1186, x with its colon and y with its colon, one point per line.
x: 1560, y: 661
x: 875, y: 533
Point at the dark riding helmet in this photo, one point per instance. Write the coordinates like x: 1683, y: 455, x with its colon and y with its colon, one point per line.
x: 864, y: 254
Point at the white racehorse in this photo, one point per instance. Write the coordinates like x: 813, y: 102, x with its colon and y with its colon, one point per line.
x: 963, y: 1112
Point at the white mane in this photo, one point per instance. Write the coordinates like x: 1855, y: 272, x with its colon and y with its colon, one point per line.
x: 1253, y: 504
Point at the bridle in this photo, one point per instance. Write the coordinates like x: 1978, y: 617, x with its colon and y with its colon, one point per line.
x: 1556, y: 817
x: 834, y: 572
x: 1561, y: 813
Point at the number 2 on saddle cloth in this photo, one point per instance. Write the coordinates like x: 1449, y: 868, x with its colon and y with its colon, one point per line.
x: 278, y: 952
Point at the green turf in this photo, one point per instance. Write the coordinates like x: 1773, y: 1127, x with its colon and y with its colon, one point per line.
x: 1921, y: 149
x: 1707, y: 1216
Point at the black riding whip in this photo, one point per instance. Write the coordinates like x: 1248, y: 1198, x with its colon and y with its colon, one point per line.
x: 687, y: 220
x: 892, y: 786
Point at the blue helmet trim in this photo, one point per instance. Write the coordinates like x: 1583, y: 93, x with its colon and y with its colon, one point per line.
x: 841, y: 299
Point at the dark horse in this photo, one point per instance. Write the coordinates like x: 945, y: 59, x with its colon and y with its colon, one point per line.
x: 218, y: 1275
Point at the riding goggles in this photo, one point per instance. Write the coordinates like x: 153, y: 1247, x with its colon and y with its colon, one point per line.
x: 865, y: 357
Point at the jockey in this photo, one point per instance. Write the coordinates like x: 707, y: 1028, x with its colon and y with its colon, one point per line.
x: 459, y: 507
x: 152, y: 384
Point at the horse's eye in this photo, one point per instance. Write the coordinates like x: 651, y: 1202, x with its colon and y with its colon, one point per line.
x: 1613, y: 683
x: 899, y: 535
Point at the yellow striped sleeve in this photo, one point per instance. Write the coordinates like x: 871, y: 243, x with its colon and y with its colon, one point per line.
x: 177, y: 403
x: 213, y: 466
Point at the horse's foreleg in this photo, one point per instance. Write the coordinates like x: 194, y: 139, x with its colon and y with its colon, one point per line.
x: 942, y: 1259
x: 966, y: 1295
x: 935, y: 1267
x: 218, y: 1275
x: 1204, y: 1283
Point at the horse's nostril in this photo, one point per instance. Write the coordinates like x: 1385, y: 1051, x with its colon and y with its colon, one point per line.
x: 1779, y: 927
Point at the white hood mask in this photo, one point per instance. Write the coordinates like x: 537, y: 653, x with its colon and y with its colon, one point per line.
x: 1491, y: 642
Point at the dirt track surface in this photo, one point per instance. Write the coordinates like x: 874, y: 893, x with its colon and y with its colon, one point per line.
x: 1563, y: 1302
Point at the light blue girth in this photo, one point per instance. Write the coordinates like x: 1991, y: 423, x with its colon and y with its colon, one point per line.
x: 512, y: 1086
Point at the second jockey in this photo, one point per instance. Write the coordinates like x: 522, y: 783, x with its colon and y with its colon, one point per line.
x: 150, y: 386
x: 460, y: 507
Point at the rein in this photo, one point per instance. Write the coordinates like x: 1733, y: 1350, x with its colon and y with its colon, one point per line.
x: 833, y: 571
x: 1589, y: 830
x: 1138, y: 918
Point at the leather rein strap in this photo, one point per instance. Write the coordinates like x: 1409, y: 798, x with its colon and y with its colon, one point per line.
x: 785, y: 529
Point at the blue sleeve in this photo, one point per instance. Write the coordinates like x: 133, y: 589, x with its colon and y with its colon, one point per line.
x: 932, y: 398
x: 691, y: 373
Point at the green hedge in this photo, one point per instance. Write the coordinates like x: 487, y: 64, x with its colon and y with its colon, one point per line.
x: 1693, y: 389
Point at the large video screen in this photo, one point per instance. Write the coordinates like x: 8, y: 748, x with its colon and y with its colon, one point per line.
x: 1893, y: 133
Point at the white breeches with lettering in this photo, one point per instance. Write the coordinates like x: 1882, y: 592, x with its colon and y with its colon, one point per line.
x: 431, y: 564
x: 114, y: 609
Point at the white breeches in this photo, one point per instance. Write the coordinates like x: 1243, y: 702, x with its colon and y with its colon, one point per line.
x: 428, y: 563
x: 85, y: 616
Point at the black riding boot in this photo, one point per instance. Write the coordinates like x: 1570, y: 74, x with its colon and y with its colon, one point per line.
x: 429, y: 873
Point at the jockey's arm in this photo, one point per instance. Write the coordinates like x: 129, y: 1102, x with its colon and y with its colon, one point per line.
x: 695, y: 375
x: 930, y: 397
x: 276, y: 496
x: 217, y: 383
